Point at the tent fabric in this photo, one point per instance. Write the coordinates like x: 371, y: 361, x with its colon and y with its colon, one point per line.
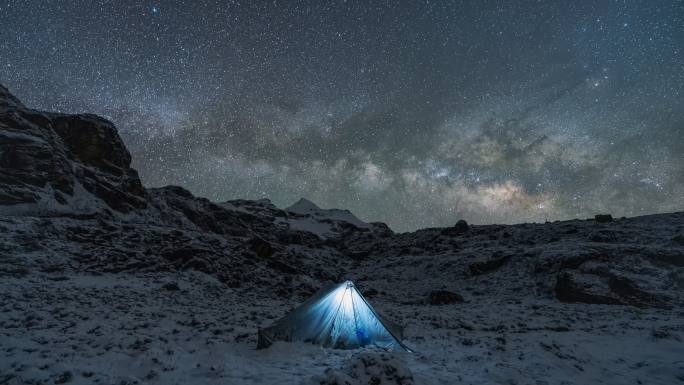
x: 337, y: 316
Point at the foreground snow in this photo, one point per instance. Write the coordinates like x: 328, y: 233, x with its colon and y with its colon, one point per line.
x: 126, y: 329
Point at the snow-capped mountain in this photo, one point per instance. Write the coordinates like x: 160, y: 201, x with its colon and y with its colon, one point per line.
x: 304, y: 215
x: 106, y: 281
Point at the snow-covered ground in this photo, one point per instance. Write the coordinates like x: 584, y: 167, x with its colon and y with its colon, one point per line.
x: 188, y: 328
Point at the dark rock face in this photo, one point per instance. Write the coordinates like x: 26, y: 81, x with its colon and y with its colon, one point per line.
x: 444, y: 297
x: 101, y: 159
x: 30, y: 163
x: 261, y: 247
x: 574, y: 287
x: 603, y: 218
x: 175, y: 205
x: 48, y: 159
x: 607, y: 289
x: 632, y: 294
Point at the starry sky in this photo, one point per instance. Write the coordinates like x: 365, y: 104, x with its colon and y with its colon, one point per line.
x: 415, y: 113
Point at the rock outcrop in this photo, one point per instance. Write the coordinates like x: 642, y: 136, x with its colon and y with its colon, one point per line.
x: 461, y: 227
x: 56, y: 163
x: 603, y: 218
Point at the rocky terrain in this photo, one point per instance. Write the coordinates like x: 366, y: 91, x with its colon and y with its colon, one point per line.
x: 104, y: 281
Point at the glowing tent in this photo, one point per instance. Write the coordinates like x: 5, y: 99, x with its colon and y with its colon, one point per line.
x: 337, y: 316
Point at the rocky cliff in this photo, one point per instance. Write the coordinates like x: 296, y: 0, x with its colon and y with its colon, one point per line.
x: 56, y: 163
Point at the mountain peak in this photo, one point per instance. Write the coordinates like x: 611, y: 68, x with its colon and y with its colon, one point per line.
x: 303, y: 206
x: 7, y: 99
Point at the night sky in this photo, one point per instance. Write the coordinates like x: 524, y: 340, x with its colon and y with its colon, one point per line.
x: 412, y: 113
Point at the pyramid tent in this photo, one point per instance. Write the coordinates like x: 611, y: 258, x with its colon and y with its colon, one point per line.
x: 337, y: 316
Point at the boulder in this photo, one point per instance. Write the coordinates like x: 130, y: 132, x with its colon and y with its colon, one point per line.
x: 444, y: 297
x: 603, y: 218
x: 461, y: 227
x: 170, y: 286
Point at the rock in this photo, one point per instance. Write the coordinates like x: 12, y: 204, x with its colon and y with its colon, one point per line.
x: 603, y: 218
x: 664, y: 333
x: 574, y: 287
x: 53, y: 162
x: 170, y: 286
x: 603, y: 236
x: 461, y: 227
x: 178, y: 206
x: 359, y: 255
x: 381, y: 229
x: 7, y: 100
x: 368, y: 368
x: 63, y: 378
x: 632, y: 294
x: 444, y: 297
x: 606, y: 289
x: 281, y: 267
x: 180, y: 255
x: 261, y: 247
x: 679, y: 239
x: 478, y: 268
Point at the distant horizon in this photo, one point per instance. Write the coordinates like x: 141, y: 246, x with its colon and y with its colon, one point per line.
x: 360, y: 216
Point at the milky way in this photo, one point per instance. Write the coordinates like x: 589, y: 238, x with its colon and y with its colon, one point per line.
x: 412, y: 113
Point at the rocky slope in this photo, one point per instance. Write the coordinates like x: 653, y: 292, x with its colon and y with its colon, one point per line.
x: 99, y: 272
